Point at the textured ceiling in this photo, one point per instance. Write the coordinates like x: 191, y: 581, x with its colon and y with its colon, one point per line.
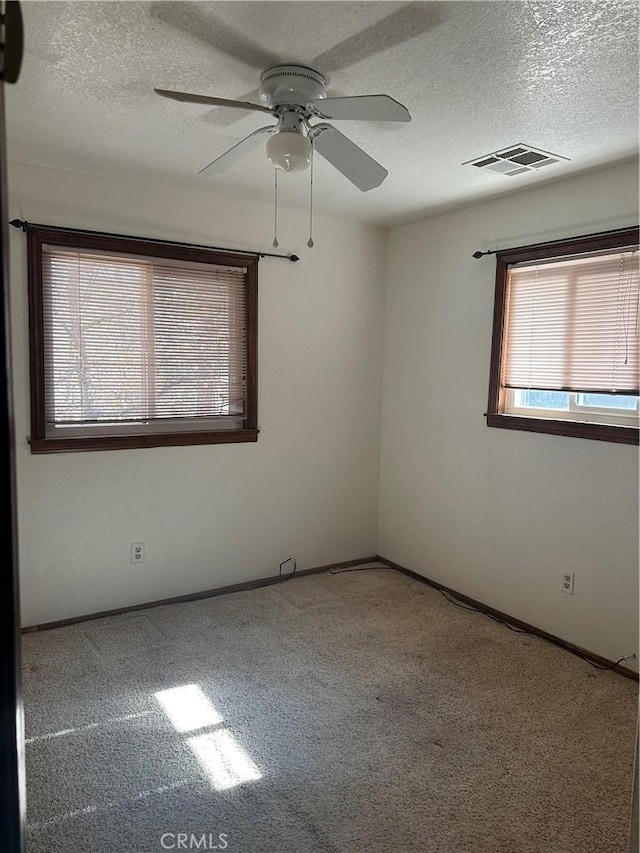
x: 476, y: 77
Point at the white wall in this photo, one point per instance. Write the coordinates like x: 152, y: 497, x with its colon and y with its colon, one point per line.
x: 494, y: 513
x: 218, y: 514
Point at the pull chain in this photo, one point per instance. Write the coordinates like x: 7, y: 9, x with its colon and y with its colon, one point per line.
x: 310, y: 240
x: 275, y: 243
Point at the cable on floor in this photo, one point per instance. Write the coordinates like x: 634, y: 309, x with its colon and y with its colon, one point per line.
x: 284, y: 563
x: 450, y: 597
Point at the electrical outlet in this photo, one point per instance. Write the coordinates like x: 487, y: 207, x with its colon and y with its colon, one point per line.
x: 137, y: 552
x: 568, y: 579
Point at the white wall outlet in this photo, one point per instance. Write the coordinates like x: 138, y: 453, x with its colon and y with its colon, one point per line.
x: 137, y: 552
x: 568, y: 579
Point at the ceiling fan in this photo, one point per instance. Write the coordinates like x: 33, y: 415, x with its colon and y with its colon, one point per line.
x: 295, y: 96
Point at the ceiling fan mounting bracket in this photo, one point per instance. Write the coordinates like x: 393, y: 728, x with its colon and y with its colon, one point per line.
x: 291, y: 84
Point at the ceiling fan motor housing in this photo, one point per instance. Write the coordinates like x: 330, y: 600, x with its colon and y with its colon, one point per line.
x: 291, y: 84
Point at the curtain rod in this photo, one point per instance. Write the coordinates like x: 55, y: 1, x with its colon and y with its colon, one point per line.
x: 479, y: 254
x: 22, y: 223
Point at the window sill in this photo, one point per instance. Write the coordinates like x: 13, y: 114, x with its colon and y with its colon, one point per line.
x: 575, y: 429
x: 133, y: 442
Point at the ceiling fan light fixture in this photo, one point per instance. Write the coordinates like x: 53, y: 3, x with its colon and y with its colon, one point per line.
x: 289, y: 151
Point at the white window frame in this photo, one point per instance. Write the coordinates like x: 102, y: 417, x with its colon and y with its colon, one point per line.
x: 576, y: 411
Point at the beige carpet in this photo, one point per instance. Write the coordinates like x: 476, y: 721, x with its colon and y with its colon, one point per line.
x: 351, y: 713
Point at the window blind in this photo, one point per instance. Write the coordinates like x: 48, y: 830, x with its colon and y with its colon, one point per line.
x: 572, y: 325
x: 135, y: 339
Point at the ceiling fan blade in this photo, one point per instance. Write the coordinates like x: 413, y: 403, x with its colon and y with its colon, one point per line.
x: 396, y: 28
x: 362, y: 108
x: 223, y: 118
x: 197, y: 21
x: 210, y: 101
x: 224, y: 161
x: 354, y: 163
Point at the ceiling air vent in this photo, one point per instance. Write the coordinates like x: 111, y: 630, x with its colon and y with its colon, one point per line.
x: 516, y: 160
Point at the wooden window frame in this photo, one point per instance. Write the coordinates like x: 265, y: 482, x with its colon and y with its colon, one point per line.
x: 39, y: 441
x: 622, y: 239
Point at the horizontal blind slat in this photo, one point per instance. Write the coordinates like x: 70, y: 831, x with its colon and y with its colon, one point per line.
x: 135, y: 338
x: 573, y: 325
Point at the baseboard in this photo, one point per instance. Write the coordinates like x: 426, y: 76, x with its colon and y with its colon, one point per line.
x: 517, y: 623
x: 268, y: 581
x: 195, y: 596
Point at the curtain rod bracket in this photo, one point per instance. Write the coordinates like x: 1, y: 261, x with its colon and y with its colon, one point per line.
x: 22, y: 224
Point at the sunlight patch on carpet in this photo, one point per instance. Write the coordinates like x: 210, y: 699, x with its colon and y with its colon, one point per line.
x: 221, y: 757
x: 188, y: 708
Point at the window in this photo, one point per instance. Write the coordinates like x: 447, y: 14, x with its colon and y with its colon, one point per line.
x: 565, y: 338
x: 136, y: 343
